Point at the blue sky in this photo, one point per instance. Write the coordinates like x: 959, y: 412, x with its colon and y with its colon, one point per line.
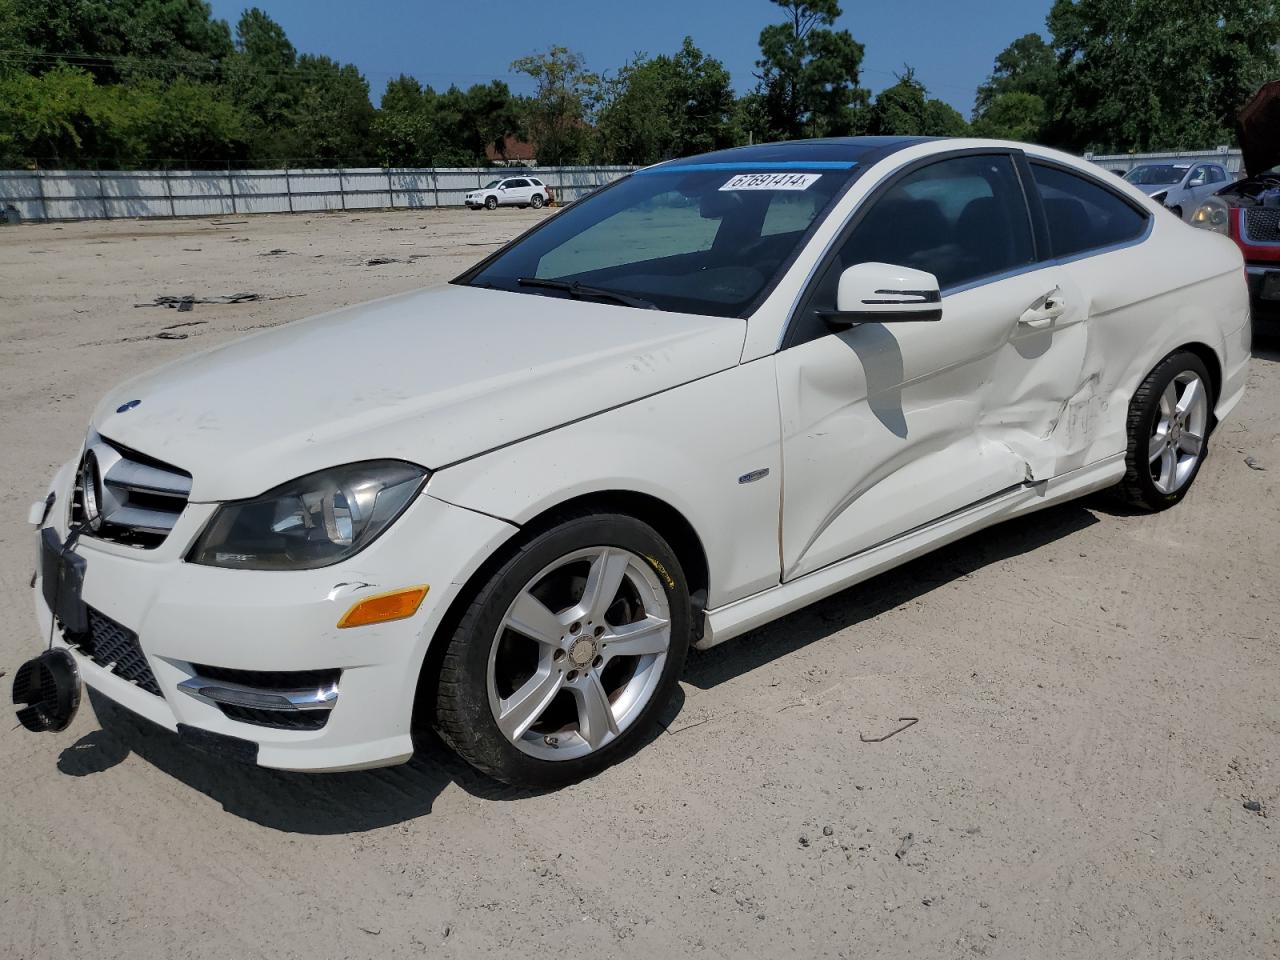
x: 950, y: 44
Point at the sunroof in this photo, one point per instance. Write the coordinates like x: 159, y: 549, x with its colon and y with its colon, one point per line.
x: 843, y: 153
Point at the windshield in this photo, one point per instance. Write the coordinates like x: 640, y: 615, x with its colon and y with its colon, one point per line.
x: 1156, y: 174
x: 491, y: 184
x: 684, y: 237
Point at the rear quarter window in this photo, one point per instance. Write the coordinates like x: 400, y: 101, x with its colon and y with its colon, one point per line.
x: 1084, y: 216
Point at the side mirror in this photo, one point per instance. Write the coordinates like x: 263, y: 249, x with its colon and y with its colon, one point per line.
x: 1196, y: 182
x: 883, y: 293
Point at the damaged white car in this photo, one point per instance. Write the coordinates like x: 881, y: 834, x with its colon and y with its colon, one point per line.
x: 717, y: 390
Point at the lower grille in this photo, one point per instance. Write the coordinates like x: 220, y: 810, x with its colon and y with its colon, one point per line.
x: 1262, y: 224
x: 115, y: 647
x: 282, y: 699
x: 270, y: 679
x: 277, y: 719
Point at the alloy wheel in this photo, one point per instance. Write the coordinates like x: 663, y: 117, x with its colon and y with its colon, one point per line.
x: 1177, y: 440
x: 579, y: 653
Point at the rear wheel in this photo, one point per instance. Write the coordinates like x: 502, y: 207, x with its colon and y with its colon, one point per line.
x: 537, y: 201
x: 1169, y: 420
x: 567, y: 654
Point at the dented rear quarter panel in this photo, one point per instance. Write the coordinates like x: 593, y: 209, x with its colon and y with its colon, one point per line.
x: 1180, y: 287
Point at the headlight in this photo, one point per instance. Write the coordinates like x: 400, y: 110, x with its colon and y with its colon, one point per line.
x: 1160, y: 197
x: 1213, y: 215
x: 314, y: 521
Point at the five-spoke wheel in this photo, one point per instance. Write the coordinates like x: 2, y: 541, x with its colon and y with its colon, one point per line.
x: 1169, y: 422
x: 579, y: 653
x: 567, y: 652
x: 1178, y: 434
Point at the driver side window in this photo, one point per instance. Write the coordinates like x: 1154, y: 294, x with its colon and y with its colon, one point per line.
x: 961, y: 219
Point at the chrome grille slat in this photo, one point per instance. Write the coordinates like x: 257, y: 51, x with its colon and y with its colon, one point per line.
x: 145, y: 478
x: 128, y: 497
x: 137, y: 518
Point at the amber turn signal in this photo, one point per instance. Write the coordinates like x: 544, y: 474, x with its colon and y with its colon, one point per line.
x: 384, y: 607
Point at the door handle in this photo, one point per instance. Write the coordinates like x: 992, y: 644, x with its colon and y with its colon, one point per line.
x: 1045, y: 310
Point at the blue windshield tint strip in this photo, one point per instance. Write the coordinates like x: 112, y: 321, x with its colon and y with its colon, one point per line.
x: 779, y: 165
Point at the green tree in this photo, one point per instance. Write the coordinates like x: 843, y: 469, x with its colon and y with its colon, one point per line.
x: 905, y: 109
x: 403, y: 129
x: 809, y: 73
x: 184, y: 120
x: 119, y: 40
x: 1012, y: 116
x: 416, y: 126
x: 1152, y: 75
x: 48, y: 118
x: 263, y: 82
x: 1028, y: 65
x: 556, y: 119
x: 333, y: 117
x: 943, y: 120
x: 491, y: 113
x: 660, y: 107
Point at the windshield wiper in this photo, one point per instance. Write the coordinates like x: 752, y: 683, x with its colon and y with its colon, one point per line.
x: 576, y: 289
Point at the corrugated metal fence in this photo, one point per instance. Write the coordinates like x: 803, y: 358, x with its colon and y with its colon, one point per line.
x: 1230, y: 159
x: 111, y: 194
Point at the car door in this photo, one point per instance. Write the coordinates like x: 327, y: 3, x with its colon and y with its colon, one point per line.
x: 518, y: 191
x: 887, y: 427
x: 1199, y: 185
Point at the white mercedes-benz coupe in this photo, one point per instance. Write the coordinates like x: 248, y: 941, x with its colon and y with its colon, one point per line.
x: 715, y: 391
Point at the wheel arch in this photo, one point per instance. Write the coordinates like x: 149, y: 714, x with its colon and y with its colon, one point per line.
x: 670, y: 523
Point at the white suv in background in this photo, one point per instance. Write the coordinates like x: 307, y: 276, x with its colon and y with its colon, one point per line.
x: 511, y: 192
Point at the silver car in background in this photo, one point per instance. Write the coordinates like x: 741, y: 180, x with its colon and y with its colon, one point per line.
x: 1180, y: 186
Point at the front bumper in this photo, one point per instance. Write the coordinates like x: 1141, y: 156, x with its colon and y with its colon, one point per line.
x: 187, y: 615
x: 1264, y: 310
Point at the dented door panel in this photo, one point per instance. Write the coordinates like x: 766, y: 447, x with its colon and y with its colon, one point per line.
x: 890, y: 426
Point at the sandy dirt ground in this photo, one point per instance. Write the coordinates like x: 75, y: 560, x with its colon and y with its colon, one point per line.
x: 1097, y: 695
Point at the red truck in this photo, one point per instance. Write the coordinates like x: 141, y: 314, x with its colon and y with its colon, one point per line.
x: 1248, y: 210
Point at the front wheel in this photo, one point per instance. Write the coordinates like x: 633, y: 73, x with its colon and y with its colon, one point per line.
x: 567, y: 654
x: 491, y: 203
x: 1169, y: 421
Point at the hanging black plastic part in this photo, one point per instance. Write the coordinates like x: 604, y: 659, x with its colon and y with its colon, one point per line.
x: 46, y: 690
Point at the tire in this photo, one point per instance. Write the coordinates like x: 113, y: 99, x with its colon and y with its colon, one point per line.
x: 1170, y: 418
x: 491, y: 203
x: 537, y: 201
x: 546, y: 713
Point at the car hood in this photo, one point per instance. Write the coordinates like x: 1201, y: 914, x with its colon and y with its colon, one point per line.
x: 1258, y: 128
x: 432, y: 377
